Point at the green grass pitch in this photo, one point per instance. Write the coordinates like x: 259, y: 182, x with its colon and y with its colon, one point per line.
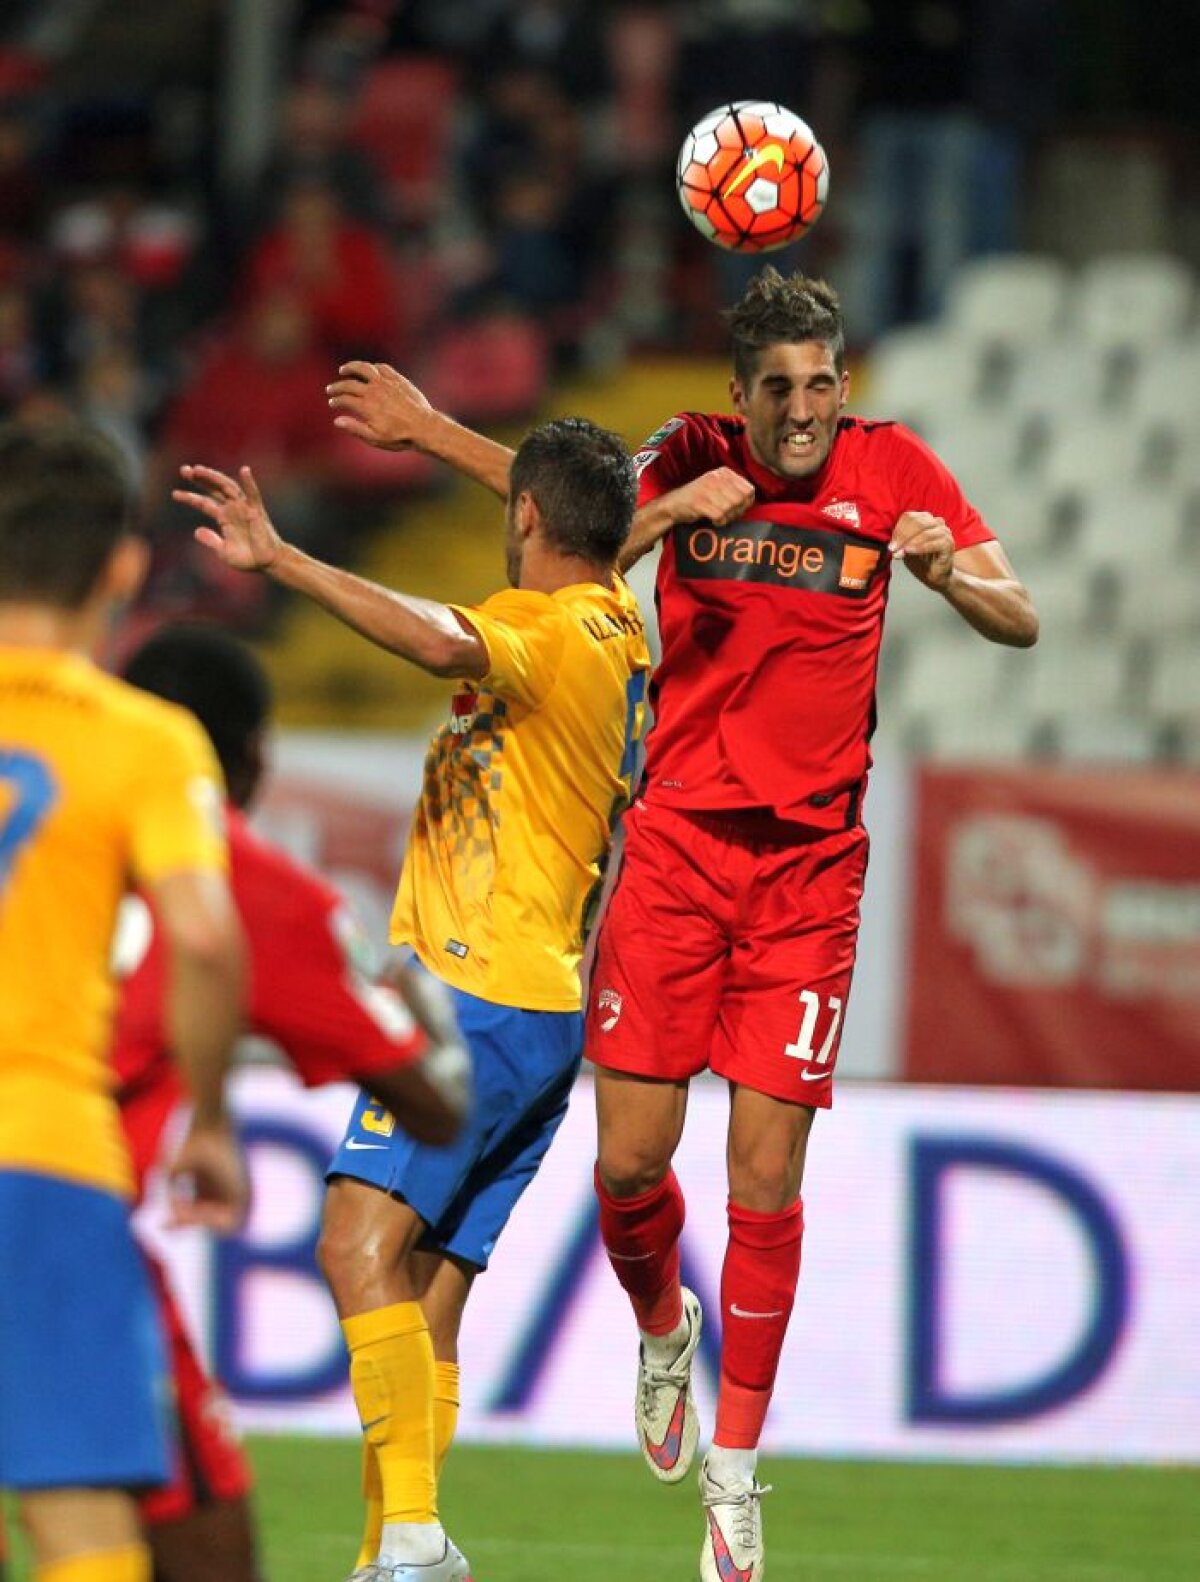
x: 549, y: 1516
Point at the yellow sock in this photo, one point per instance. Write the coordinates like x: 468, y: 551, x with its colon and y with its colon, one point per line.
x: 391, y: 1375
x: 129, y: 1563
x: 445, y: 1410
x: 372, y: 1490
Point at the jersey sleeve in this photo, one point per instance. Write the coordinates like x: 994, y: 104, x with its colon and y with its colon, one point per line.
x: 923, y: 482
x: 312, y: 992
x: 176, y: 802
x: 524, y: 634
x: 669, y: 457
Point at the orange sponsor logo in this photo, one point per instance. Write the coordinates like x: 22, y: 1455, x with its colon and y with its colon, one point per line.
x: 740, y: 549
x: 857, y: 565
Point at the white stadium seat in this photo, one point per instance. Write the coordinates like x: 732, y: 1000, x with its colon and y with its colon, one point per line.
x: 1068, y: 674
x: 916, y: 373
x: 1012, y: 300
x: 1137, y: 300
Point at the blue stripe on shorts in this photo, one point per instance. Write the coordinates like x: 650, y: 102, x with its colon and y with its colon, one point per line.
x: 524, y: 1065
x: 83, y: 1376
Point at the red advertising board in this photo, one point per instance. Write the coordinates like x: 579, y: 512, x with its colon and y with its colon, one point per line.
x: 1054, y: 929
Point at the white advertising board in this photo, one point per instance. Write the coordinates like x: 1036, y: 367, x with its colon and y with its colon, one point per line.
x: 987, y: 1275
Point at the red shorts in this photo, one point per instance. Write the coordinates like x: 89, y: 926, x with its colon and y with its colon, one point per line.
x: 727, y: 942
x: 208, y: 1462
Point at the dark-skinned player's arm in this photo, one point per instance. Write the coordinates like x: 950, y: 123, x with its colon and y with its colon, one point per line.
x: 242, y: 536
x: 979, y: 582
x: 377, y: 404
x: 719, y: 496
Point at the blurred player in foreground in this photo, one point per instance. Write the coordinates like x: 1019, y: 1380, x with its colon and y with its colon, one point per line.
x: 521, y: 788
x: 310, y: 994
x: 98, y: 783
x: 729, y: 939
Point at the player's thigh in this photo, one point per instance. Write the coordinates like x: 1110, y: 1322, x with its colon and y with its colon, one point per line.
x: 639, y: 1122
x: 83, y: 1382
x: 63, y: 1523
x: 768, y: 1144
x: 662, y: 950
x: 783, y: 1006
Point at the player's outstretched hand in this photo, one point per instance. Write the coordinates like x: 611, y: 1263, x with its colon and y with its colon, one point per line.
x: 926, y: 546
x: 208, y: 1180
x: 243, y: 535
x: 377, y: 404
x: 719, y: 496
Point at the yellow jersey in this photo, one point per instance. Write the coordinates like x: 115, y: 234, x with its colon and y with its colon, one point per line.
x: 522, y: 787
x: 100, y: 786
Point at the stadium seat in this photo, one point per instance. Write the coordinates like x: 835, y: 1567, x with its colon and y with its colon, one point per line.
x: 1122, y: 524
x: 1136, y: 300
x: 404, y: 118
x: 1065, y: 591
x: 917, y: 373
x: 955, y: 671
x: 1152, y: 596
x: 1067, y: 675
x: 983, y: 448
x: 1061, y: 374
x: 1012, y: 300
x: 1173, y: 694
x: 1166, y: 385
x: 1106, y: 738
x: 491, y: 369
x: 1084, y: 453
x: 965, y: 735
x: 1018, y: 510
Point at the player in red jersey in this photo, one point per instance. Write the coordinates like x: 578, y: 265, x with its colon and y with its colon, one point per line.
x: 729, y: 938
x: 310, y: 995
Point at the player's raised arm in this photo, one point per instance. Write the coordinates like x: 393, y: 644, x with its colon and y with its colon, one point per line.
x: 243, y: 536
x: 978, y: 581
x: 377, y: 404
x: 719, y: 496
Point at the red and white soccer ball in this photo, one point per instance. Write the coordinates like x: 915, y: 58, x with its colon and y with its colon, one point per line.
x: 751, y: 176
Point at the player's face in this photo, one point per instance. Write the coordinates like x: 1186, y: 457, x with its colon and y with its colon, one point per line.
x: 791, y: 406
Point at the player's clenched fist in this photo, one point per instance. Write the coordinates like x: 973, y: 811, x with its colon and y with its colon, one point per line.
x: 926, y: 546
x: 377, y: 404
x: 719, y: 496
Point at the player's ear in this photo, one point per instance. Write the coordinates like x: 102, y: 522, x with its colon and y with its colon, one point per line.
x: 527, y: 514
x: 844, y: 394
x: 737, y: 394
x: 126, y: 569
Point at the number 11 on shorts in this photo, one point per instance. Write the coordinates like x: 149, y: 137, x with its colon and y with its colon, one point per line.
x: 802, y: 1048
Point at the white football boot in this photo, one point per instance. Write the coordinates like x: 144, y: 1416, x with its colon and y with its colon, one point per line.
x: 733, y: 1542
x: 665, y: 1407
x: 452, y: 1567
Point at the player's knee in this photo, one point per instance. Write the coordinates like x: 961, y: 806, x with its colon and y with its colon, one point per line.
x: 766, y: 1180
x: 627, y: 1171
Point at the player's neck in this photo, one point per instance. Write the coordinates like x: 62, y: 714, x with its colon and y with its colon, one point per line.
x: 46, y: 626
x: 547, y: 573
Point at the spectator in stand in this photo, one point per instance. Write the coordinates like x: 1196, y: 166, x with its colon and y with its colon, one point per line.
x: 313, y: 145
x: 22, y: 364
x: 341, y: 269
x: 22, y: 187
x: 257, y: 396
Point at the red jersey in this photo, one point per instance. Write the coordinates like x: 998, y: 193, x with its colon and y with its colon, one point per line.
x: 771, y: 626
x: 308, y: 991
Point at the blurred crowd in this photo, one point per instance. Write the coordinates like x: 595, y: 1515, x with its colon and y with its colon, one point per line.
x: 480, y: 191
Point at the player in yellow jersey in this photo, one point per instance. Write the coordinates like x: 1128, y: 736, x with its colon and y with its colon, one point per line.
x: 522, y: 785
x: 99, y: 786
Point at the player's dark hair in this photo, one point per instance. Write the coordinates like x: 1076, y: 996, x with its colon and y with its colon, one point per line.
x: 583, y: 481
x: 221, y: 682
x: 65, y: 503
x: 780, y: 309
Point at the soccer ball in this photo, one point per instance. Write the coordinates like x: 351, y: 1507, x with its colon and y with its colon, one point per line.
x: 751, y: 176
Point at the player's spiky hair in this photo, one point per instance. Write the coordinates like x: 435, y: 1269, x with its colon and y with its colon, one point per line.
x: 780, y: 309
x: 583, y: 481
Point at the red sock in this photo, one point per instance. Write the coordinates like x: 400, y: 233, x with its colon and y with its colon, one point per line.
x: 641, y: 1237
x: 758, y: 1288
